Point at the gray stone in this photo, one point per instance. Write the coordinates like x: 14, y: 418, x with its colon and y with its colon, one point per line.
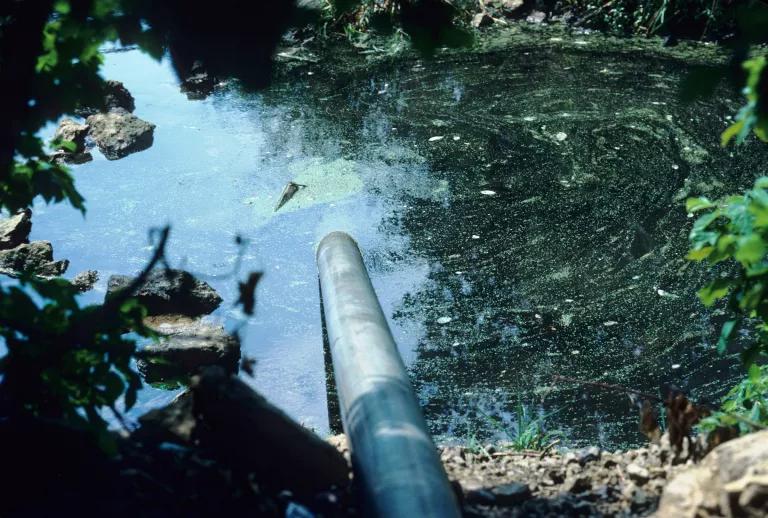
x: 35, y: 258
x: 185, y: 348
x: 61, y: 156
x: 120, y: 133
x: 84, y: 281
x: 586, y: 455
x: 15, y: 230
x: 577, y: 484
x: 71, y: 131
x: 638, y: 474
x: 536, y: 17
x: 481, y: 19
x: 512, y: 493
x: 170, y: 292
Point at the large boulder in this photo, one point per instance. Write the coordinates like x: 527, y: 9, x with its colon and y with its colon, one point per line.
x: 732, y: 480
x: 71, y: 131
x: 15, y: 230
x: 170, y: 292
x: 119, y: 133
x: 228, y: 420
x: 185, y: 347
x: 35, y: 257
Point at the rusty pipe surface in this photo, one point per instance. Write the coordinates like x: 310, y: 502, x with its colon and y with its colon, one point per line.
x: 394, y: 459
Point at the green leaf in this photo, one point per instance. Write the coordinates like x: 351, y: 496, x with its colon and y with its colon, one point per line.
x: 700, y: 254
x: 726, y: 333
x: 750, y: 249
x: 696, y: 204
x: 731, y: 131
x: 715, y: 290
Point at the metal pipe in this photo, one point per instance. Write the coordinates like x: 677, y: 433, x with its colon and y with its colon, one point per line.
x: 393, y: 456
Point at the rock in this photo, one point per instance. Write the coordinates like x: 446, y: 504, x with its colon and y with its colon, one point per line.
x: 119, y: 133
x: 174, y: 422
x: 577, y: 484
x: 536, y: 17
x: 170, y: 292
x: 84, y: 281
x: 186, y: 348
x: 638, y: 474
x: 198, y: 84
x: 35, y: 257
x: 511, y: 494
x: 586, y: 455
x: 15, y: 230
x: 71, y: 131
x: 481, y: 19
x: 116, y: 95
x: 238, y: 427
x: 728, y: 481
x: 62, y: 156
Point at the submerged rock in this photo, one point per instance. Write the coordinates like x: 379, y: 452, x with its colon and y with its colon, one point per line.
x: 35, y: 257
x: 226, y: 418
x: 15, y: 230
x: 186, y: 347
x: 119, y: 133
x: 198, y: 84
x: 170, y: 292
x: 84, y: 281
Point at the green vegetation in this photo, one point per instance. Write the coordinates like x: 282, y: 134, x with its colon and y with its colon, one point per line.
x: 694, y: 19
x: 527, y: 432
x: 734, y: 231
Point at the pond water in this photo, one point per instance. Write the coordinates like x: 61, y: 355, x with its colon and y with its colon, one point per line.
x: 520, y: 214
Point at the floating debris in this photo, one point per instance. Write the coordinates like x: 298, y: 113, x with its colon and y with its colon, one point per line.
x: 436, y: 138
x: 610, y: 323
x: 475, y: 236
x: 444, y: 320
x: 291, y: 188
x: 456, y: 137
x: 560, y: 136
x: 675, y: 366
x: 487, y: 192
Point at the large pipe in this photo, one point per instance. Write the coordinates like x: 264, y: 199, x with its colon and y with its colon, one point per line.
x: 393, y: 456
